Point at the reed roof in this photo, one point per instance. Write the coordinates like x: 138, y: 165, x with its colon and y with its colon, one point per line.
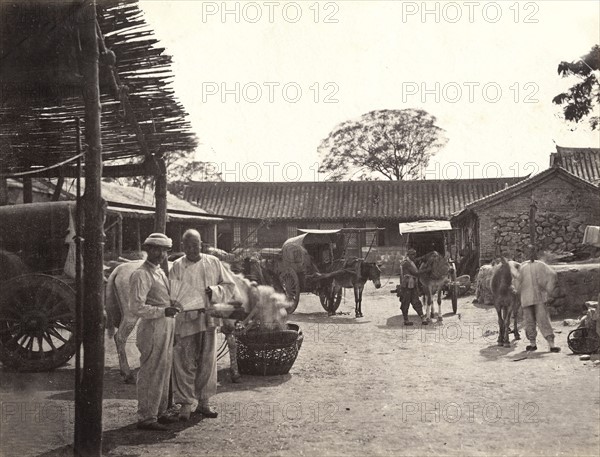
x: 41, y: 88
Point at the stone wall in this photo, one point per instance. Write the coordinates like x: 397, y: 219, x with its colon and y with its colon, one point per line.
x: 563, y: 211
x: 577, y: 283
x: 554, y: 233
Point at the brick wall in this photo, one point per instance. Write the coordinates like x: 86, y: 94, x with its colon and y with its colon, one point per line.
x: 563, y: 211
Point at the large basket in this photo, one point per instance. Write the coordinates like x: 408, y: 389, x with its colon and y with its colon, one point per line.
x: 268, y: 353
x: 583, y: 341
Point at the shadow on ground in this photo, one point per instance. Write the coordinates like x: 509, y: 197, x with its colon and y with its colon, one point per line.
x: 130, y: 436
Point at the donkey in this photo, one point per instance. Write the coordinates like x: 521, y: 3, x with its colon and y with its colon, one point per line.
x: 354, y: 274
x: 506, y: 298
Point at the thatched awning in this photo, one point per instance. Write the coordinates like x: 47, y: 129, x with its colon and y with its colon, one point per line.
x: 40, y: 92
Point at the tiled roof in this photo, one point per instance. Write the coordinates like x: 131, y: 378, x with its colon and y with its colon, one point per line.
x: 517, y: 188
x: 349, y: 200
x: 582, y: 162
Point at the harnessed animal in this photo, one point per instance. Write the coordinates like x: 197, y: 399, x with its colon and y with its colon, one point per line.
x: 505, y: 297
x: 434, y: 276
x: 354, y: 274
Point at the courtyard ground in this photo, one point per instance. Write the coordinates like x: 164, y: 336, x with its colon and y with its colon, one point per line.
x: 366, y: 386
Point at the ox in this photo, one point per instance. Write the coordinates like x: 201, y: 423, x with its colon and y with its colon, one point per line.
x: 505, y: 297
x: 483, y: 293
x: 433, y: 276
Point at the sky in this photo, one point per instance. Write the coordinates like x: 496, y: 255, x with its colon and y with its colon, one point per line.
x: 265, y: 82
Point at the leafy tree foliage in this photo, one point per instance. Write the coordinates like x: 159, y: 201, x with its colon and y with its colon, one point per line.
x: 181, y: 169
x: 396, y: 144
x: 182, y: 172
x: 583, y: 97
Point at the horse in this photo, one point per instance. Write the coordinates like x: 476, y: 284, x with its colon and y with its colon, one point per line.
x: 505, y: 297
x: 434, y: 276
x: 354, y: 274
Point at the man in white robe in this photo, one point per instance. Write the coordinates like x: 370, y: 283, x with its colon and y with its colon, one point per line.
x: 535, y: 284
x: 195, y: 354
x: 149, y: 300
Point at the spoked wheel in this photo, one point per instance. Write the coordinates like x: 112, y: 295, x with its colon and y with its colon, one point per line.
x: 453, y: 290
x: 583, y: 341
x: 291, y: 287
x: 330, y: 301
x: 37, y: 323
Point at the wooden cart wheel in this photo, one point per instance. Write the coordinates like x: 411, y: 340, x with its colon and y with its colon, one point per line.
x: 37, y: 323
x: 453, y: 290
x: 329, y: 302
x: 291, y: 287
x: 583, y: 341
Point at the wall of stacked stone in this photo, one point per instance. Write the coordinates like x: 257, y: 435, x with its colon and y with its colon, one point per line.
x: 577, y: 283
x: 563, y: 212
x: 554, y: 233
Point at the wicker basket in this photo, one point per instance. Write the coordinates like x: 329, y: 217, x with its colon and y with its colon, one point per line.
x: 268, y: 353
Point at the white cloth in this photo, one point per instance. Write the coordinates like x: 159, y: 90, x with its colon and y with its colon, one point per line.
x: 535, y: 283
x: 195, y: 368
x: 195, y: 356
x: 154, y: 340
x: 591, y: 236
x: 206, y: 272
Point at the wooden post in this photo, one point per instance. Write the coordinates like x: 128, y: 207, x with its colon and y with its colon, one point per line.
x: 89, y: 410
x: 27, y: 190
x: 3, y: 191
x: 160, y: 194
x: 120, y: 236
x: 138, y: 236
x: 532, y: 232
x: 215, y: 235
x: 58, y: 189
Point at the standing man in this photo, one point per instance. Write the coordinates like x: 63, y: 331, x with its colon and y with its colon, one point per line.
x: 149, y: 300
x: 195, y: 357
x: 409, y: 294
x: 535, y: 284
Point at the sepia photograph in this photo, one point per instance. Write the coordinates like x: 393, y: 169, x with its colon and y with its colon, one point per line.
x: 299, y: 228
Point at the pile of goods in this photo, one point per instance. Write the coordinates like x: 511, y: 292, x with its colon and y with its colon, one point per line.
x: 268, y: 345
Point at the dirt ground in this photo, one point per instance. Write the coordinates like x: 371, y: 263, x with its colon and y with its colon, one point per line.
x: 366, y: 386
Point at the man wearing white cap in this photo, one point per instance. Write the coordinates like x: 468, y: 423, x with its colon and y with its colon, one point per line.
x: 195, y: 354
x: 149, y: 300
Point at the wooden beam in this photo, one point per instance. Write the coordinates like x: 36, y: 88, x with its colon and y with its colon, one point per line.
x: 89, y: 412
x: 58, y: 189
x: 27, y: 190
x: 113, y: 171
x: 3, y: 192
x: 160, y: 195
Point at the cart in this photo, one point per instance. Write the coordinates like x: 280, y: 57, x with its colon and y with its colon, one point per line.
x: 37, y: 297
x: 307, y: 263
x: 430, y: 235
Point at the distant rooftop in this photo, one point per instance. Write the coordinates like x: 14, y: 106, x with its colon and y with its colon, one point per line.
x: 582, y: 162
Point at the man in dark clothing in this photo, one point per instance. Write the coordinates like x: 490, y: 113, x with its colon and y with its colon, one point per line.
x: 409, y: 294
